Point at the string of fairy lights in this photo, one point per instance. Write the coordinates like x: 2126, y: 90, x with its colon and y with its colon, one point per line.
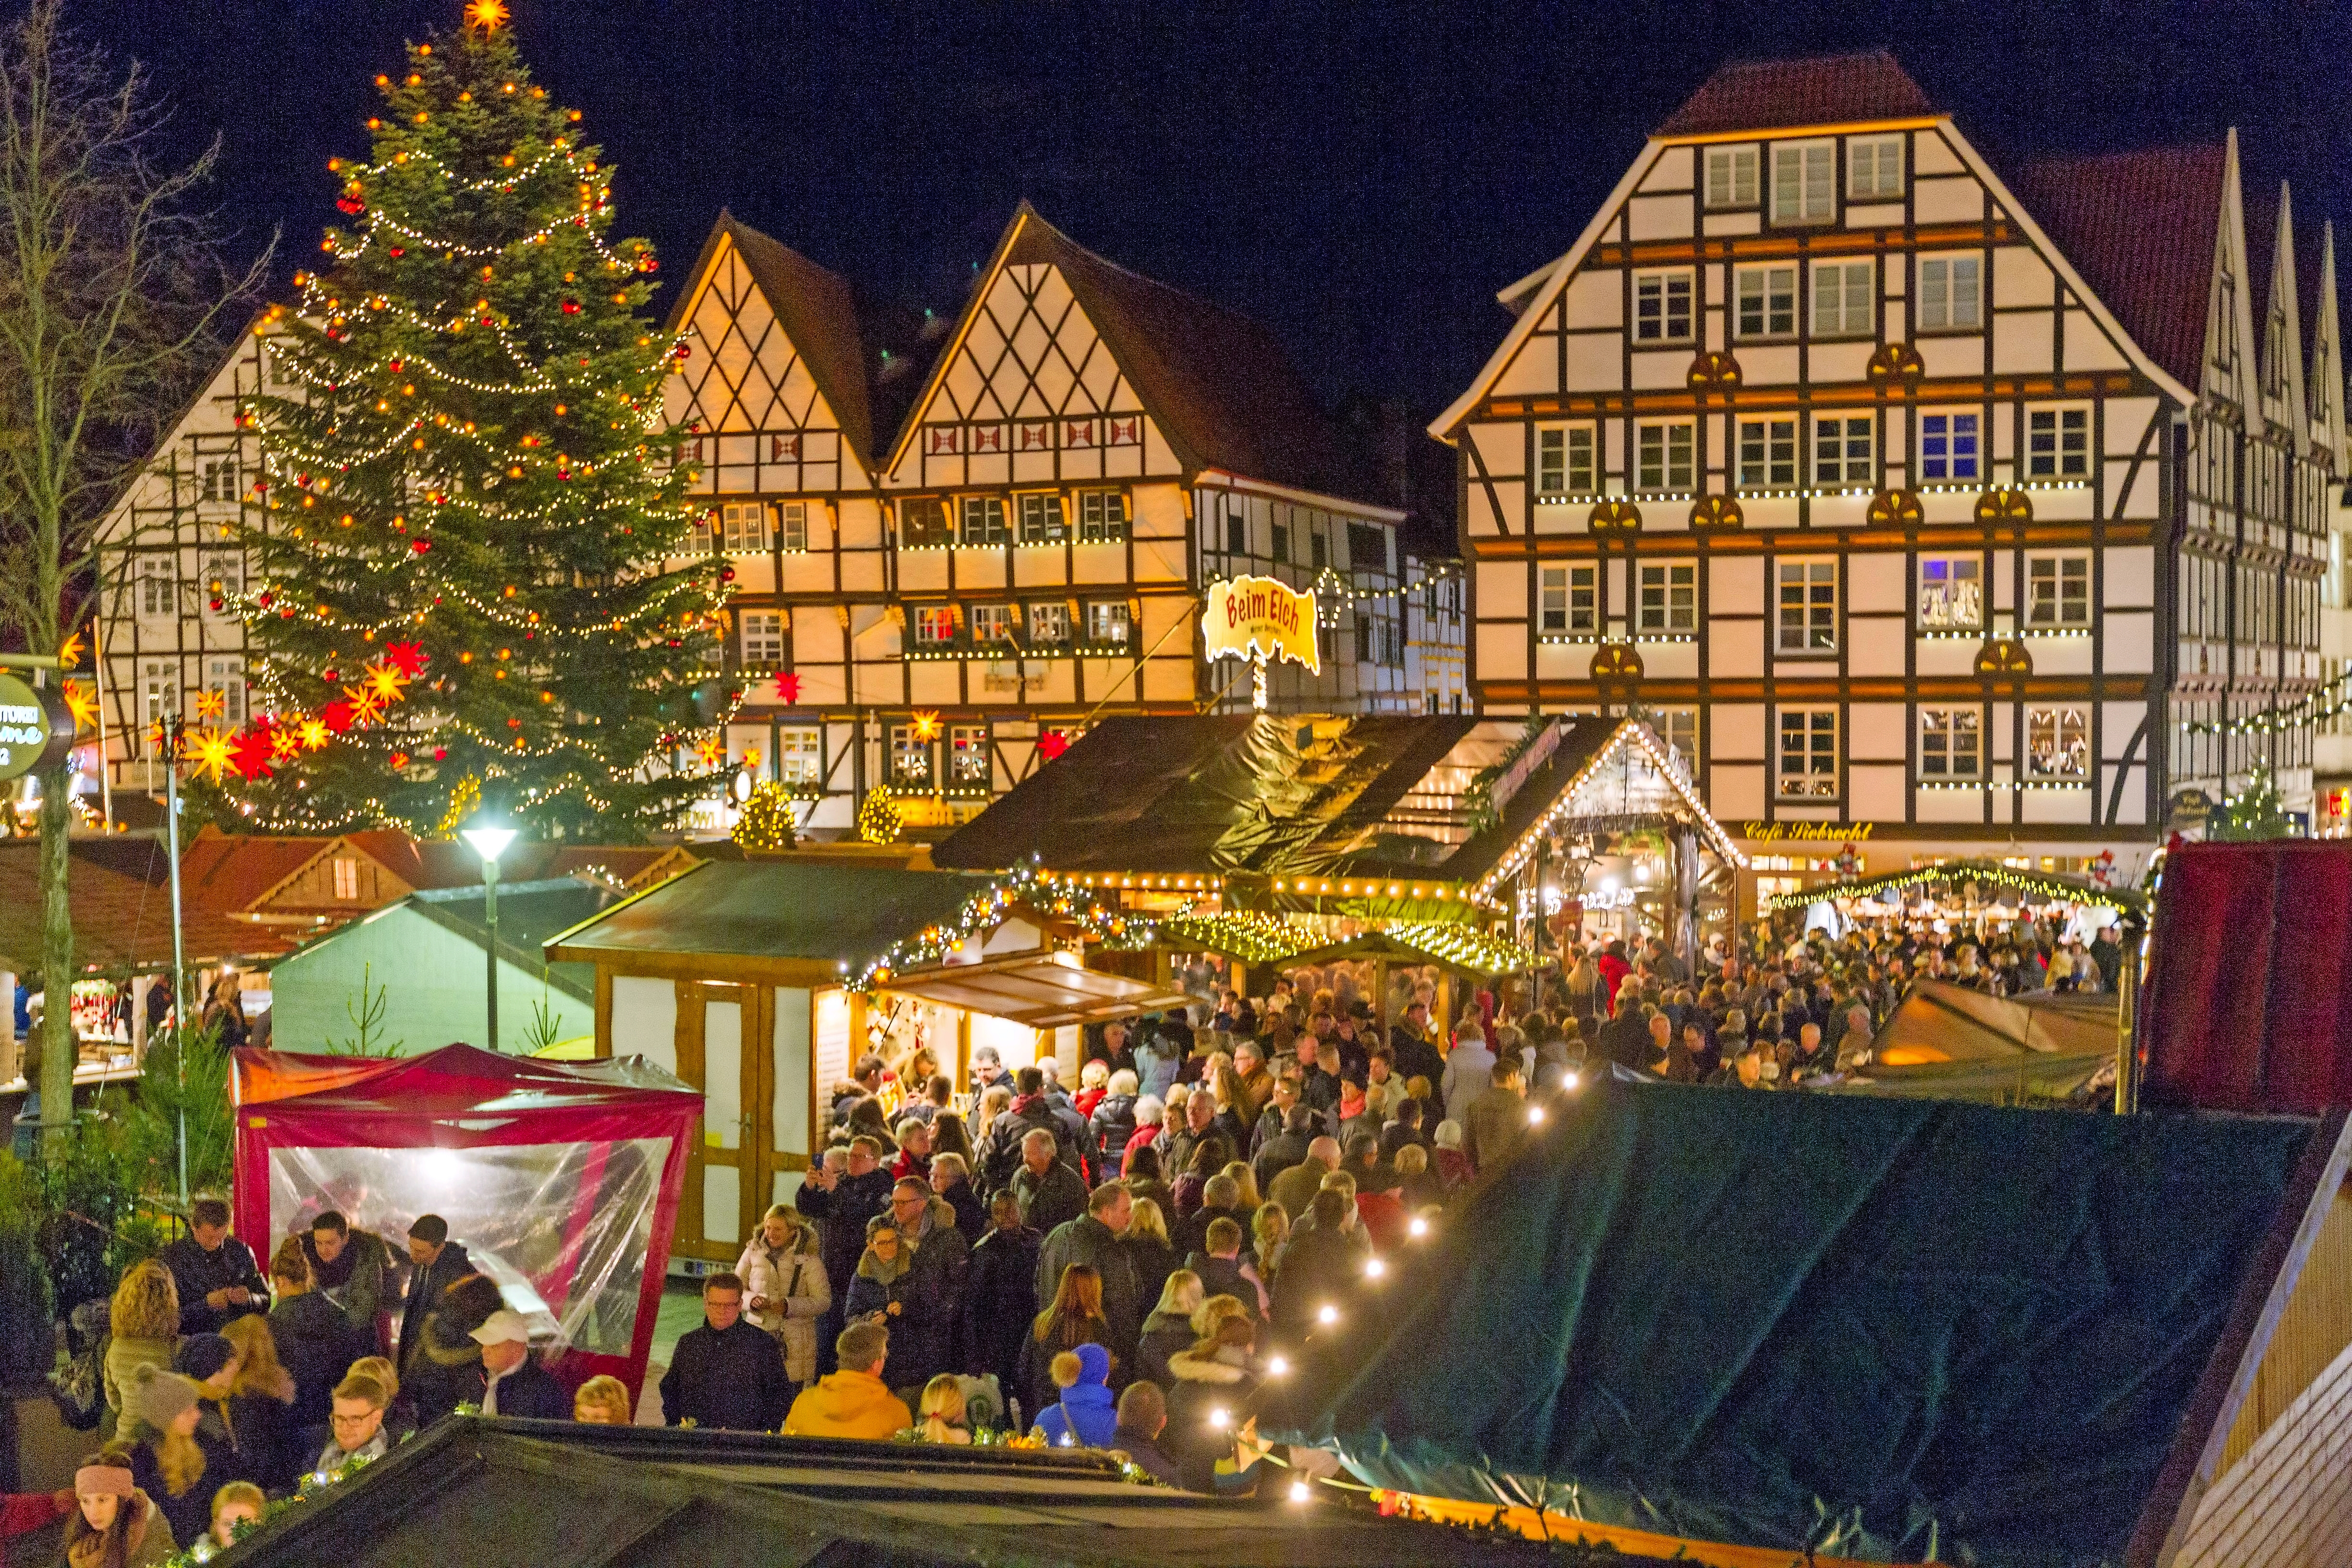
x: 1045, y: 891
x: 2329, y: 701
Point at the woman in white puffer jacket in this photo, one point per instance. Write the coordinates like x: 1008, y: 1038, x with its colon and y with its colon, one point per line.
x: 785, y: 1290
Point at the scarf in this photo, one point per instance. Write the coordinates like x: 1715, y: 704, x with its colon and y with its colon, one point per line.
x: 871, y: 1265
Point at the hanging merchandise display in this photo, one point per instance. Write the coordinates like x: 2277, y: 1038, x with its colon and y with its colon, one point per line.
x: 471, y: 495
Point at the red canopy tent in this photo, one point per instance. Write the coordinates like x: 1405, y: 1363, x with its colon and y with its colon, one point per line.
x: 560, y: 1178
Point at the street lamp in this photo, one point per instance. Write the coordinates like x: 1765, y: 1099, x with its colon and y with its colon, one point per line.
x: 490, y: 841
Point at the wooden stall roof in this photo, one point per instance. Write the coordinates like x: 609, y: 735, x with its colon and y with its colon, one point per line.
x: 1038, y: 991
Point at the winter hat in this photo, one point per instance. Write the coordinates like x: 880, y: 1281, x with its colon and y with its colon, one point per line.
x: 201, y: 1355
x: 1094, y: 1364
x: 160, y: 1397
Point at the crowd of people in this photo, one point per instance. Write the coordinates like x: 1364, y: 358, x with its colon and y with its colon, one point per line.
x: 1120, y: 1265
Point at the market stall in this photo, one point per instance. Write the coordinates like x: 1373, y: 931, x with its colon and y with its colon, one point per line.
x: 560, y: 1178
x: 1983, y: 897
x: 1954, y: 1042
x: 760, y: 984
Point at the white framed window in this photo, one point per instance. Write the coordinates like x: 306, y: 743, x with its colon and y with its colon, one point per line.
x: 1952, y: 743
x: 2057, y: 591
x: 1843, y: 450
x: 1571, y: 603
x: 1874, y: 168
x: 1666, y: 597
x: 1808, y: 753
x: 1950, y: 293
x: 218, y: 479
x: 910, y: 756
x: 158, y: 689
x: 157, y: 589
x: 992, y: 623
x: 983, y: 520
x: 702, y: 536
x: 2057, y: 443
x: 1731, y: 177
x: 923, y: 523
x: 935, y: 625
x: 1678, y: 727
x: 792, y: 525
x: 1951, y: 592
x: 968, y: 754
x: 2057, y: 744
x: 1102, y: 516
x: 800, y: 754
x: 1661, y: 306
x: 1949, y: 447
x: 1845, y: 298
x: 1564, y: 460
x: 1765, y: 301
x: 1804, y: 182
x: 347, y: 879
x: 1664, y: 455
x: 1041, y: 518
x: 223, y: 578
x: 227, y: 676
x: 1049, y: 623
x: 1808, y: 607
x: 763, y: 638
x: 743, y: 528
x: 1108, y: 622
x: 1767, y: 453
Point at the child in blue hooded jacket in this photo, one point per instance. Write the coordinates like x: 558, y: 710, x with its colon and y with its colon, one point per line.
x: 1087, y: 1416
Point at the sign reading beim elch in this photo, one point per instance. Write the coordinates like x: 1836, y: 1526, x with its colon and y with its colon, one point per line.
x: 1258, y: 617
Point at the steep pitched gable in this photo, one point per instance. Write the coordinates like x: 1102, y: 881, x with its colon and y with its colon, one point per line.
x: 2323, y: 388
x: 1054, y: 332
x: 1779, y: 95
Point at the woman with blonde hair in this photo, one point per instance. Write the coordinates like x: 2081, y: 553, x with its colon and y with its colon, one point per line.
x: 1150, y: 1251
x: 602, y: 1401
x: 170, y: 1463
x: 785, y: 1288
x: 1269, y: 1233
x: 941, y: 1419
x: 1168, y: 1328
x: 1075, y: 1318
x: 994, y: 1101
x: 1246, y: 1180
x: 261, y: 1404
x: 145, y: 1321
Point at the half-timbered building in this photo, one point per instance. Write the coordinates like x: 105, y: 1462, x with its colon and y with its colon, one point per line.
x: 1924, y: 508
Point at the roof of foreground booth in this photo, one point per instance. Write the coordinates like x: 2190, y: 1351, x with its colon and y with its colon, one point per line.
x: 456, y: 1081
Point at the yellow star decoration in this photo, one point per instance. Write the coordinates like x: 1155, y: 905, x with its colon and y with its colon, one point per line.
x: 487, y: 14
x: 210, y: 751
x: 81, y: 701
x: 385, y: 680
x: 69, y: 651
x: 712, y: 751
x: 212, y: 703
x: 287, y: 739
x: 926, y: 725
x: 366, y: 706
x: 314, y: 735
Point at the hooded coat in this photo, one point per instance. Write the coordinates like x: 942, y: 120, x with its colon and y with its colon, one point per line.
x: 447, y: 1371
x: 1085, y: 1417
x: 798, y: 1290
x: 1202, y: 1380
x: 849, y: 1404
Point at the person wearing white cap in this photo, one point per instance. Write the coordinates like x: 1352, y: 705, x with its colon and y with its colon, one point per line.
x: 513, y: 1385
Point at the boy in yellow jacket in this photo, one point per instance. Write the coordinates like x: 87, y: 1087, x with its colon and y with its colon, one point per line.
x: 854, y: 1402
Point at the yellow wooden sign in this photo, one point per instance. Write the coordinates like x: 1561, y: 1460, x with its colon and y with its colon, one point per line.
x: 1259, y: 618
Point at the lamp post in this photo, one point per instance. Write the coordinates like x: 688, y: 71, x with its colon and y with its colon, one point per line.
x: 490, y: 841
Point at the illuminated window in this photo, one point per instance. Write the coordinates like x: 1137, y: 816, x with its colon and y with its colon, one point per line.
x: 347, y: 879
x: 744, y: 528
x: 923, y: 523
x: 935, y: 625
x: 910, y: 758
x: 1809, y: 754
x: 1107, y: 622
x: 968, y: 754
x: 2057, y: 744
x: 1808, y: 607
x: 992, y: 623
x: 1951, y: 592
x: 1951, y: 743
x: 799, y: 759
x: 1049, y: 625
x: 1041, y: 519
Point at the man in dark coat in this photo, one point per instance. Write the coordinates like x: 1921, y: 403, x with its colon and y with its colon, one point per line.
x: 1093, y: 1239
x: 1322, y: 1265
x: 1000, y: 1294
x: 435, y: 1263
x: 1000, y: 1156
x: 1219, y: 1264
x: 726, y: 1373
x: 513, y: 1385
x: 923, y: 1335
x: 1287, y: 1148
x: 1270, y: 1121
x: 1409, y: 1047
x: 216, y: 1273
x: 314, y: 1344
x: 841, y: 1201
x: 1051, y: 1193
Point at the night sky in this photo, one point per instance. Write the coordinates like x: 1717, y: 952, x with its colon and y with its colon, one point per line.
x: 1360, y: 176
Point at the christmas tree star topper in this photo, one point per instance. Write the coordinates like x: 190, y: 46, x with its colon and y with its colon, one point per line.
x: 487, y: 14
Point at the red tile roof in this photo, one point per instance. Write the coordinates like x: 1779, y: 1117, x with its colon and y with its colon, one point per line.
x: 118, y: 890
x: 228, y: 873
x: 1219, y: 385
x: 2140, y: 229
x: 1778, y: 95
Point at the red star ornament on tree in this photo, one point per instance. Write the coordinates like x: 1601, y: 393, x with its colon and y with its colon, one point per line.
x: 408, y: 657
x: 252, y: 755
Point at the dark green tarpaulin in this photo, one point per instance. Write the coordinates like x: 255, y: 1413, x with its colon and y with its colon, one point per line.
x: 1882, y: 1329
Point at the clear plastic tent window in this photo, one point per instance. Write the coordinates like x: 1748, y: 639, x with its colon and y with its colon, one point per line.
x: 564, y: 1228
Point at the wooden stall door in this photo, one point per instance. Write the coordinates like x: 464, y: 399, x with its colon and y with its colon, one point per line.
x: 725, y: 1174
x: 784, y: 1098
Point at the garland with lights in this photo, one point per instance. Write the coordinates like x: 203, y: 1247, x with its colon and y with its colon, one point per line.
x: 472, y: 497
x: 2047, y: 888
x: 766, y: 820
x: 1056, y: 897
x: 1251, y: 936
x: 2329, y: 701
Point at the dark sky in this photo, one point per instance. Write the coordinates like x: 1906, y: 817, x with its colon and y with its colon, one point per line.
x: 1361, y: 176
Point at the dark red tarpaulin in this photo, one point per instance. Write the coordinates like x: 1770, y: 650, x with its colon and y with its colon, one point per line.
x: 562, y: 1178
x: 2249, y: 999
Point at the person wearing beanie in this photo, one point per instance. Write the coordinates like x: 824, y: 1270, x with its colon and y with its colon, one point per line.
x: 212, y: 1364
x: 115, y: 1525
x: 171, y: 1464
x: 1086, y: 1415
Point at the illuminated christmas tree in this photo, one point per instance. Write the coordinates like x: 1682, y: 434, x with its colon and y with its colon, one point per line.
x: 473, y: 492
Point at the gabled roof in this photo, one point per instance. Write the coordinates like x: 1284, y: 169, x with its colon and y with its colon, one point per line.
x: 1778, y: 95
x: 1952, y: 1332
x: 807, y: 911
x: 1219, y: 385
x: 446, y: 863
x: 529, y: 914
x: 230, y: 873
x: 2140, y: 229
x: 119, y: 888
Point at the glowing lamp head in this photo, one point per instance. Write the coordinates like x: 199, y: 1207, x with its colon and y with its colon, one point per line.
x: 1276, y: 1365
x: 489, y: 840
x: 1535, y: 1115
x: 1326, y: 1314
x: 1572, y: 1080
x: 1374, y: 1268
x: 1418, y: 1226
x: 1218, y: 1417
x: 1301, y: 1492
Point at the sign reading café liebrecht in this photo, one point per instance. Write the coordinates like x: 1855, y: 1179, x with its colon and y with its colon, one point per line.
x: 1259, y: 618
